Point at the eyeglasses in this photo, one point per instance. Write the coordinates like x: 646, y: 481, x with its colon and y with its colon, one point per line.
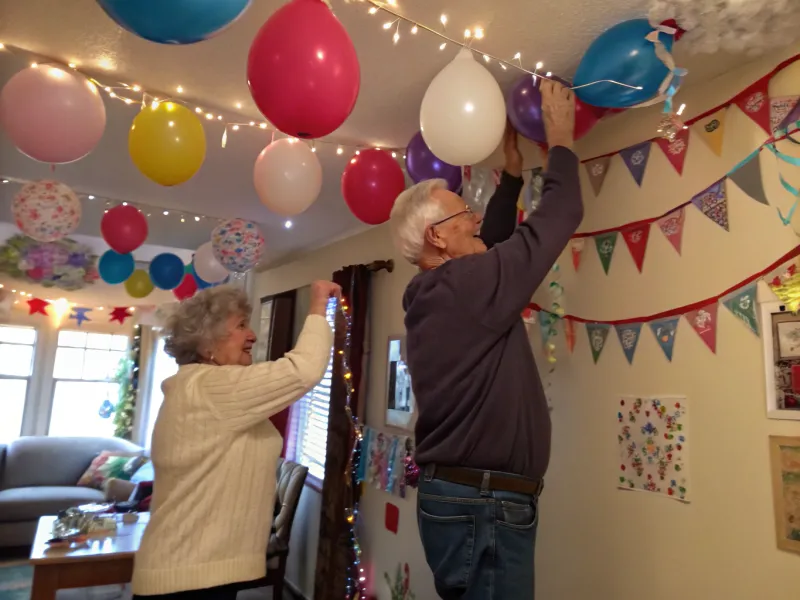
x: 467, y: 211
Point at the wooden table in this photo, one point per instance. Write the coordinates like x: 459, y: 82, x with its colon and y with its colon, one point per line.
x: 103, y: 560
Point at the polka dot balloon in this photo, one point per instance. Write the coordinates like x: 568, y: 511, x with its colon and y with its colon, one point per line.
x: 237, y: 245
x: 46, y: 210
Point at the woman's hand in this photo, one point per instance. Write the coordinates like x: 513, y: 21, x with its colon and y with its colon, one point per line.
x: 321, y: 292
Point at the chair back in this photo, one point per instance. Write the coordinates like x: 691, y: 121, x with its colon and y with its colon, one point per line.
x: 291, y: 479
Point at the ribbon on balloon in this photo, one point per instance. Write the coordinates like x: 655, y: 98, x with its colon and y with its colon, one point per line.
x: 672, y: 82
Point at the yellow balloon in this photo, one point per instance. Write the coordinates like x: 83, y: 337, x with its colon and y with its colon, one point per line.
x: 167, y: 143
x: 138, y: 285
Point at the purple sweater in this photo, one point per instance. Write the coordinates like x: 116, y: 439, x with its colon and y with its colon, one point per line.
x: 478, y: 392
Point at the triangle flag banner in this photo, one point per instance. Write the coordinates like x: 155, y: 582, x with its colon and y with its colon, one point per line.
x: 664, y: 330
x: 672, y: 228
x: 606, y: 243
x: 598, y: 334
x: 569, y: 334
x: 635, y: 158
x: 577, y: 245
x: 779, y: 109
x: 743, y: 305
x: 754, y: 102
x: 712, y: 130
x: 636, y: 239
x: 747, y: 175
x: 713, y: 203
x: 597, y: 170
x: 704, y: 322
x: 676, y: 149
x: 629, y: 338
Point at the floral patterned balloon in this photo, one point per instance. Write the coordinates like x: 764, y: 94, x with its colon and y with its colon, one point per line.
x: 237, y: 245
x: 46, y: 210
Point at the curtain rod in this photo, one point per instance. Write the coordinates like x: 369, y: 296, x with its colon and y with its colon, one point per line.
x: 380, y: 265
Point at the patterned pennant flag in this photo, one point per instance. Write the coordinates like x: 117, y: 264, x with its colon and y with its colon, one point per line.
x: 743, y: 305
x: 779, y: 111
x: 605, y: 244
x: 704, y: 322
x: 569, y: 334
x: 713, y: 203
x: 754, y: 102
x: 747, y: 175
x: 672, y: 228
x: 664, y: 330
x: 636, y: 239
x: 598, y: 334
x: 577, y: 245
x: 712, y: 130
x: 629, y: 338
x: 676, y: 149
x: 597, y: 170
x: 635, y: 158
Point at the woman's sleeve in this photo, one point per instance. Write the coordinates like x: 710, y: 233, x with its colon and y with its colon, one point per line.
x: 244, y: 396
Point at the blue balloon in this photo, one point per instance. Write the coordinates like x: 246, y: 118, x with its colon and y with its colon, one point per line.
x: 115, y: 268
x: 166, y: 271
x: 174, y: 21
x: 623, y: 54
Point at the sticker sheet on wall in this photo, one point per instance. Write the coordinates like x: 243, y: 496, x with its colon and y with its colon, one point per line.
x: 652, y: 438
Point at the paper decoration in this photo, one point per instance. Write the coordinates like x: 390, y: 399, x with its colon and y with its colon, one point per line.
x: 629, y: 338
x: 597, y: 170
x: 598, y: 334
x: 37, y: 305
x: 672, y: 228
x: 665, y: 330
x: 704, y: 322
x: 636, y: 240
x: 120, y: 313
x: 754, y: 102
x: 712, y: 130
x: 46, y: 210
x: 605, y: 243
x: 577, y: 245
x: 713, y: 203
x: 779, y: 109
x: 676, y: 149
x: 742, y: 304
x: 392, y: 517
x: 546, y: 321
x: 237, y: 245
x: 635, y: 158
x: 385, y: 463
x: 80, y: 314
x: 747, y: 175
x: 569, y: 334
x: 652, y: 437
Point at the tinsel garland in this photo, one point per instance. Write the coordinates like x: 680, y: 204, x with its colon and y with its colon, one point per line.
x: 128, y: 379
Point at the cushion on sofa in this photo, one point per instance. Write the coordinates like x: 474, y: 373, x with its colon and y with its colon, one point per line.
x: 28, y: 503
x: 109, y: 465
x: 144, y: 473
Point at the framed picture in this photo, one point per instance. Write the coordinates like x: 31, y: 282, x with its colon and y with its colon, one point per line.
x: 781, y: 346
x: 785, y: 463
x: 400, y: 404
x: 788, y: 339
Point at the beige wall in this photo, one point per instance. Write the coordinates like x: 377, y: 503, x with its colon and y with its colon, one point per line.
x: 596, y: 542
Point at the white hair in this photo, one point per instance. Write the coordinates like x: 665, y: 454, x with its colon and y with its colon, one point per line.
x: 413, y: 212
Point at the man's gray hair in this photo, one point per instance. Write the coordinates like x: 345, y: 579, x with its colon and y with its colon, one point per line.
x: 413, y: 212
x: 202, y: 320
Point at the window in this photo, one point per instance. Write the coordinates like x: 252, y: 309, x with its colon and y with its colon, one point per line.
x: 16, y: 365
x: 164, y: 366
x: 84, y: 392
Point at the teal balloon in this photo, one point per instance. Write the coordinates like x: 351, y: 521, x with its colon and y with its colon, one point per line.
x: 166, y: 271
x: 115, y: 268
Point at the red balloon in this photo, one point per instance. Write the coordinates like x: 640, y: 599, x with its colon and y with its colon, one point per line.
x: 370, y: 185
x: 586, y: 117
x: 303, y: 70
x: 187, y: 288
x: 124, y: 228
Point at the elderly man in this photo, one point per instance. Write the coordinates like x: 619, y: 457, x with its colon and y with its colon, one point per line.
x: 483, y: 433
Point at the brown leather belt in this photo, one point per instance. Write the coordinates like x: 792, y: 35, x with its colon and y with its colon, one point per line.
x: 485, y: 480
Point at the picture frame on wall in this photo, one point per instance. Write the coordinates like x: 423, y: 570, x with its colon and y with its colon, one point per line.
x: 785, y: 468
x: 400, y: 402
x: 781, y: 349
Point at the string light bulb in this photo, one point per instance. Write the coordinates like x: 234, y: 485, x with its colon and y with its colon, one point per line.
x: 239, y: 105
x: 373, y: 10
x: 478, y: 33
x: 681, y: 109
x: 467, y: 33
x: 236, y: 128
x: 72, y: 65
x: 179, y: 89
x: 136, y: 88
x: 517, y: 56
x: 388, y: 24
x: 414, y: 29
x: 263, y: 126
x: 198, y: 110
x: 443, y: 46
x: 339, y: 150
x: 209, y: 116
x: 443, y: 19
x: 539, y: 65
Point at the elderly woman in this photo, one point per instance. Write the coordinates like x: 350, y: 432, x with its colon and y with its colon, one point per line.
x: 215, y: 449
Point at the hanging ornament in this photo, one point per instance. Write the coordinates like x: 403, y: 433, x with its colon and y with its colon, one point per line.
x: 670, y: 126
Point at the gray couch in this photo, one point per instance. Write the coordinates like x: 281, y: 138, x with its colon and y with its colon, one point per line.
x: 38, y: 477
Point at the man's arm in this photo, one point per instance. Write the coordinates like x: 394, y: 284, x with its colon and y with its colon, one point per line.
x: 500, y: 218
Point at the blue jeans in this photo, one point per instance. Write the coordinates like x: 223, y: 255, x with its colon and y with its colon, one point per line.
x: 479, y: 546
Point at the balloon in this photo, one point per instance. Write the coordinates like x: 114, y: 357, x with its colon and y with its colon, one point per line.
x: 463, y: 113
x: 479, y: 187
x: 201, y: 285
x: 623, y: 54
x: 174, y: 21
x: 124, y: 228
x: 586, y: 117
x: 237, y: 245
x: 46, y: 210
x: 370, y: 185
x: 303, y: 71
x: 52, y: 115
x: 166, y: 271
x: 288, y: 177
x: 187, y: 288
x: 206, y: 266
x: 115, y: 268
x: 138, y: 285
x: 421, y: 164
x: 167, y: 143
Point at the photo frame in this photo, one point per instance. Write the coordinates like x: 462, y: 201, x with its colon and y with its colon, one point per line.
x: 781, y: 349
x: 785, y: 467
x: 400, y: 401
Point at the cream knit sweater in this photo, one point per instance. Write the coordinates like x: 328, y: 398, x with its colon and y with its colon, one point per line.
x: 215, y: 454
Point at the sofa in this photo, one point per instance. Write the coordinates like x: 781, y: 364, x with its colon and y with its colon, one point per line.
x: 38, y: 477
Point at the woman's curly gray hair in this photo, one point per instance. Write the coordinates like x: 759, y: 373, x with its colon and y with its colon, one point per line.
x: 199, y: 322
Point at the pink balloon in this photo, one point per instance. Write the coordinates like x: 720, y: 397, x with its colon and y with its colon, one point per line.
x: 303, y: 70
x: 51, y: 114
x: 370, y: 185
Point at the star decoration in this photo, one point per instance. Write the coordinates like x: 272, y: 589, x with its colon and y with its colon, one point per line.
x: 120, y: 313
x: 79, y: 314
x: 37, y: 305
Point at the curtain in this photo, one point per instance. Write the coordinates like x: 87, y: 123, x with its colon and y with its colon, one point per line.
x: 334, y: 552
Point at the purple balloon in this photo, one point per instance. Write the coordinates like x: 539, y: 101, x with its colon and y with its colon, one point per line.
x: 524, y: 107
x: 421, y: 164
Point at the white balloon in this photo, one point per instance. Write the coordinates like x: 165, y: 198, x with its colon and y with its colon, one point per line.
x: 207, y: 266
x: 463, y: 113
x: 288, y: 177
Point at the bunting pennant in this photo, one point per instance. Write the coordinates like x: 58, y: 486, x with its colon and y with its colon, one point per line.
x: 704, y: 322
x: 597, y: 170
x: 713, y: 203
x: 120, y: 313
x: 37, y: 305
x: 664, y: 330
x: 712, y: 130
x: 598, y: 334
x: 742, y: 304
x: 629, y: 338
x: 569, y: 334
x: 80, y: 314
x: 676, y: 149
x: 605, y: 244
x: 672, y: 228
x: 635, y: 158
x: 779, y: 109
x: 747, y: 175
x: 577, y: 245
x: 754, y: 102
x: 636, y: 240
